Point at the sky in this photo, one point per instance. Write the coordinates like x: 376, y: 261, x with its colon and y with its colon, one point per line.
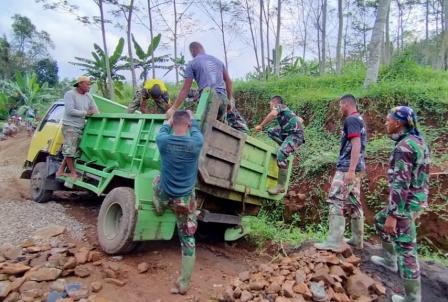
x: 71, y: 38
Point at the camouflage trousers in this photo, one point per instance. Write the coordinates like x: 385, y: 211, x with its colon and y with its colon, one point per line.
x: 186, y: 217
x: 72, y: 136
x: 288, y: 145
x: 345, y: 199
x: 405, y: 243
x: 230, y: 117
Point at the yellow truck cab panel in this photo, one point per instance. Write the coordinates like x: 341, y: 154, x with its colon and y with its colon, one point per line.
x: 48, y: 136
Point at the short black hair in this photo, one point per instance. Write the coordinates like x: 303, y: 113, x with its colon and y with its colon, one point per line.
x: 181, y: 117
x: 196, y: 45
x: 348, y: 98
x: 277, y: 98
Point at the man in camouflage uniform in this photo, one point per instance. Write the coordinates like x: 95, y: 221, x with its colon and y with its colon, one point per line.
x: 289, y: 135
x: 408, y: 176
x: 210, y: 72
x: 152, y: 89
x: 344, y: 196
x: 179, y: 154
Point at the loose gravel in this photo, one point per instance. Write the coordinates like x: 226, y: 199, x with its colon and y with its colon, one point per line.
x: 19, y: 219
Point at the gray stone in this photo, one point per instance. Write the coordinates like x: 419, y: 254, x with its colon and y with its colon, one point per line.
x: 44, y: 274
x: 48, y: 232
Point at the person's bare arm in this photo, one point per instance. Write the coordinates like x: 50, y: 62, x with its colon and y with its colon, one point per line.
x: 182, y: 94
x: 354, y: 158
x: 269, y: 118
x: 228, y: 82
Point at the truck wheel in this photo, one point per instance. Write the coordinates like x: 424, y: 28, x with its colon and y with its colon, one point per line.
x: 38, y: 180
x: 116, y: 221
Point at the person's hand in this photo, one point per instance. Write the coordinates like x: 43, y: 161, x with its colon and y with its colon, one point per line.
x: 170, y: 113
x: 258, y: 128
x: 90, y: 112
x: 349, y: 177
x: 390, y: 226
x: 190, y: 113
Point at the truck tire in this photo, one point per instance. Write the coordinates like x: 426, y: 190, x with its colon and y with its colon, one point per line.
x: 38, y: 180
x: 116, y: 221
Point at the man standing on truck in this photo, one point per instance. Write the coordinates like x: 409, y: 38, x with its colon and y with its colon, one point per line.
x: 210, y: 72
x: 179, y: 154
x: 345, y: 191
x: 152, y: 89
x: 78, y: 104
x: 408, y: 195
x: 289, y: 135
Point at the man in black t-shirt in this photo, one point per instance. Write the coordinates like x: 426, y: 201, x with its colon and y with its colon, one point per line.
x: 344, y: 196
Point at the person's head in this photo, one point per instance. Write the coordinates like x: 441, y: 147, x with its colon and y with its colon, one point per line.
x: 275, y: 100
x: 401, y: 119
x: 181, y: 122
x: 155, y: 92
x: 196, y: 48
x: 347, y: 104
x: 82, y: 84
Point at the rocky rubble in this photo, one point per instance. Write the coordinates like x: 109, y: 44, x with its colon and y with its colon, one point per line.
x: 306, y: 275
x: 40, y: 270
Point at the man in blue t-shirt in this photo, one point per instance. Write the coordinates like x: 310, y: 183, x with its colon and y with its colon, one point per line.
x: 210, y: 72
x: 179, y: 154
x: 344, y: 197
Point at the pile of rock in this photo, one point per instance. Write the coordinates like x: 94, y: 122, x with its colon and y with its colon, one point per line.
x: 307, y: 275
x: 36, y: 271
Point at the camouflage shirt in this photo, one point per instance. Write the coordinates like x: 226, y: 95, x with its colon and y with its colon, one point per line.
x: 288, y: 121
x: 408, y: 176
x: 142, y: 97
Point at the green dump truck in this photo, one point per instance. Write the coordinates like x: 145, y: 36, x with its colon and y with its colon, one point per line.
x: 119, y: 159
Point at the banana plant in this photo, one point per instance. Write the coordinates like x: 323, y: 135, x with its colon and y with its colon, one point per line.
x: 145, y: 59
x: 95, y: 67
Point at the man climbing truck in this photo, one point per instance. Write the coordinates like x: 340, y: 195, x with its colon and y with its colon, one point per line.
x: 119, y: 158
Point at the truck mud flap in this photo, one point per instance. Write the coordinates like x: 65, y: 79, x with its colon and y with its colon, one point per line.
x: 52, y: 183
x: 239, y: 231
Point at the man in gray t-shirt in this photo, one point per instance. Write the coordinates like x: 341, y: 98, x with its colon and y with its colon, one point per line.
x: 208, y: 71
x: 78, y: 104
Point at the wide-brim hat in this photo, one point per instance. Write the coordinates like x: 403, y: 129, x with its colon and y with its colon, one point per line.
x: 81, y: 79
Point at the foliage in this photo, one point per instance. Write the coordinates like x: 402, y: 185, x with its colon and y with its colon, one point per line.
x: 144, y: 59
x: 46, y: 71
x: 96, y: 66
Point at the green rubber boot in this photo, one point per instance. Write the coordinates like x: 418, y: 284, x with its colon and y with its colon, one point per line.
x: 389, y: 259
x: 183, y: 282
x: 335, y: 241
x: 413, y: 291
x: 281, y: 184
x: 357, y: 227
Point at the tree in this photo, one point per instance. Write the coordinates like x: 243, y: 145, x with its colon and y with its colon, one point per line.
x: 96, y: 66
x: 324, y: 37
x: 146, y: 60
x: 339, y: 43
x: 263, y: 65
x: 445, y: 35
x: 6, y: 59
x: 46, y: 71
x: 151, y: 32
x: 277, y: 39
x: 373, y: 63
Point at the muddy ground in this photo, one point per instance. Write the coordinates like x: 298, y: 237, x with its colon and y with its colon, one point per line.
x: 218, y: 263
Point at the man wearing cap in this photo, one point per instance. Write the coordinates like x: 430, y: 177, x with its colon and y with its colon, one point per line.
x: 154, y: 89
x: 78, y: 104
x: 210, y: 72
x: 408, y: 176
x: 344, y: 198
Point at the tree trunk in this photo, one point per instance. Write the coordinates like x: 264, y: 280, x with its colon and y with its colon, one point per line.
x: 176, y: 67
x: 277, y: 39
x: 252, y: 34
x: 131, y: 56
x: 263, y: 65
x: 427, y: 20
x: 268, y: 45
x: 347, y: 18
x: 387, y: 45
x: 373, y: 63
x: 110, y: 89
x: 324, y: 37
x: 223, y: 34
x: 151, y: 32
x: 339, y: 44
x: 445, y: 35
